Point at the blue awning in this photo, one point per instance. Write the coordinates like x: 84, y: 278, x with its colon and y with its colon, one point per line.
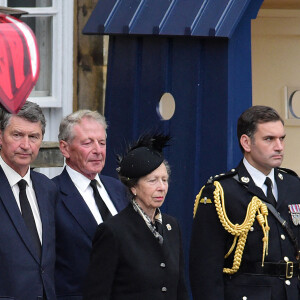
x: 201, y: 18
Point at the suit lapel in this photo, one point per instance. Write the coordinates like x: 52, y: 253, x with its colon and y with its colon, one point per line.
x: 282, y: 187
x: 112, y: 194
x: 13, y: 210
x: 76, y: 205
x: 41, y: 200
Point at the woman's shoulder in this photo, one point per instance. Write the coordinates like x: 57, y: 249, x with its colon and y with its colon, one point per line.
x: 120, y: 218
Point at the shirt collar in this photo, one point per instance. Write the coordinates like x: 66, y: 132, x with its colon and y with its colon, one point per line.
x: 12, y: 176
x: 257, y: 176
x: 81, y: 181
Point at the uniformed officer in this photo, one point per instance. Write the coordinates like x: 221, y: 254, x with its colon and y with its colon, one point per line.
x: 246, y: 222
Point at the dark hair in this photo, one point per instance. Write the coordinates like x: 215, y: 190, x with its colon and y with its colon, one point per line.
x: 250, y: 118
x: 131, y: 182
x: 30, y: 112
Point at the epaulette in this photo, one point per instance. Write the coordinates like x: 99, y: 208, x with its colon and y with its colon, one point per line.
x: 209, y: 188
x: 288, y: 171
x: 219, y: 177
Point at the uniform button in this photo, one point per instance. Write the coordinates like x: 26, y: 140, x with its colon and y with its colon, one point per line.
x: 245, y: 298
x: 163, y: 289
x: 286, y: 259
x: 282, y: 237
x: 251, y: 229
x: 163, y: 265
x: 287, y: 282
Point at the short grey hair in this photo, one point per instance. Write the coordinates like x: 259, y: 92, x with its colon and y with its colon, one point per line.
x: 30, y: 112
x: 68, y: 122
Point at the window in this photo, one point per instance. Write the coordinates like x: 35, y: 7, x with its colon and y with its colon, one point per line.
x: 52, y: 23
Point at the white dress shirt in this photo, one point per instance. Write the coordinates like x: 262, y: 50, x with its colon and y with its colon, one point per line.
x: 259, y: 178
x: 82, y: 184
x: 13, y: 178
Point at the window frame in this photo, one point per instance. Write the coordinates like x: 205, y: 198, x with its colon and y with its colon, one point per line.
x: 62, y: 51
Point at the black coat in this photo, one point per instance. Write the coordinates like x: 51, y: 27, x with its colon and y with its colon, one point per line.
x: 128, y: 263
x: 210, y: 242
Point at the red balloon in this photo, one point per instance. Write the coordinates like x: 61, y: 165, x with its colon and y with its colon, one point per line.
x: 19, y: 62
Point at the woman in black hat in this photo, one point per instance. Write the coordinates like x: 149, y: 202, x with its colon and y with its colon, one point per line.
x: 137, y: 254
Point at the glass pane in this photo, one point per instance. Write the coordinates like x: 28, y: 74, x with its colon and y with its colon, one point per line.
x: 42, y: 27
x: 29, y: 3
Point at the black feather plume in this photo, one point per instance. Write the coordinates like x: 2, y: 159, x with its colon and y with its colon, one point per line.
x: 155, y: 142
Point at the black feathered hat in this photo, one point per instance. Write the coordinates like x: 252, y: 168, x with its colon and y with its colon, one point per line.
x: 143, y: 157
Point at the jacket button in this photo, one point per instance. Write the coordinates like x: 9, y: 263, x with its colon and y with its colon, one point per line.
x: 286, y: 259
x: 163, y: 289
x: 282, y: 237
x: 287, y: 282
x: 163, y: 265
x: 245, y: 298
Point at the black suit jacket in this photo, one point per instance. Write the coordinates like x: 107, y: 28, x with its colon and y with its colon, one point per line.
x: 210, y: 242
x: 75, y: 229
x: 23, y: 275
x: 128, y: 263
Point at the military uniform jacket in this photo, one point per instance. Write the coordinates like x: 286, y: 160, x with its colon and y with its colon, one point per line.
x: 128, y: 263
x: 210, y: 241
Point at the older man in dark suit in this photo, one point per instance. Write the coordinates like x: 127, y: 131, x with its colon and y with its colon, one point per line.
x: 27, y: 199
x: 86, y: 198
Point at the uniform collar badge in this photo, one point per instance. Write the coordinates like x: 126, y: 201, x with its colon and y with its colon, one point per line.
x: 280, y: 176
x: 245, y: 179
x: 295, y: 213
x: 169, y: 227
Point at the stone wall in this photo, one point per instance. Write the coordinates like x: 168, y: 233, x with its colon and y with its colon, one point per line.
x: 90, y: 61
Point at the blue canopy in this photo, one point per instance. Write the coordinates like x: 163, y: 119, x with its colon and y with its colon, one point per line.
x: 199, y: 18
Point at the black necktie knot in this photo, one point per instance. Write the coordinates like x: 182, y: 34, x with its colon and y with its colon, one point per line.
x: 93, y: 183
x: 22, y: 184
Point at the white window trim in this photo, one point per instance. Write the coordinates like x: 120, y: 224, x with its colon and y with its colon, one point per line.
x: 62, y: 53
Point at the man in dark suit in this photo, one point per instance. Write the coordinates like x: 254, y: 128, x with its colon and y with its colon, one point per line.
x: 246, y: 222
x: 27, y: 199
x: 86, y: 198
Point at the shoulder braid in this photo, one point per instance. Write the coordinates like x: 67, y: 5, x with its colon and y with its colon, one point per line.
x: 256, y: 208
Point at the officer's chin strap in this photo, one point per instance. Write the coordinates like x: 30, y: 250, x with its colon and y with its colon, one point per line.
x: 255, y: 208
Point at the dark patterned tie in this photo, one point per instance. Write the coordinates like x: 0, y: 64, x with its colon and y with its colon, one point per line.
x: 270, y: 196
x: 104, y: 211
x: 28, y: 215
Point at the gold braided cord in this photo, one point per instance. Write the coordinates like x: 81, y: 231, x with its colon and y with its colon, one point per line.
x: 197, y: 202
x: 240, y: 232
